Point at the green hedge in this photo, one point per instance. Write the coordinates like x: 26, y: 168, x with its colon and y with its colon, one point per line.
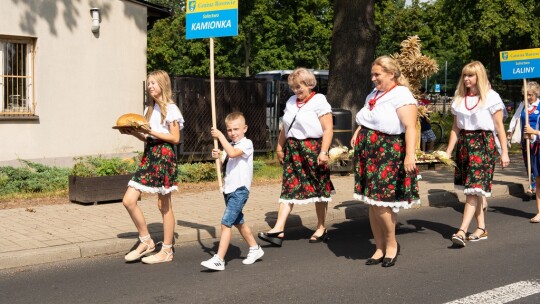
x: 37, y: 178
x: 32, y: 178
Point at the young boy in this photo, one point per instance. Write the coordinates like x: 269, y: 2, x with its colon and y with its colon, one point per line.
x: 238, y: 171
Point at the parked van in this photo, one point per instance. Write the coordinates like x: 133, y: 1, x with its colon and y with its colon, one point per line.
x: 281, y: 76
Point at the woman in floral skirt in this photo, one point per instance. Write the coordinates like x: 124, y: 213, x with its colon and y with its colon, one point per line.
x: 478, y: 119
x: 384, y: 153
x: 157, y: 172
x: 302, y: 148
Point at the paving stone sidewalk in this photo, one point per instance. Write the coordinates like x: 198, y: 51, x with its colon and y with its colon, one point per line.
x: 70, y: 231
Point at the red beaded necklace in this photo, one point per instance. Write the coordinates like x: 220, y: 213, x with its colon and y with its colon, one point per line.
x: 300, y: 104
x: 373, y: 100
x: 477, y: 102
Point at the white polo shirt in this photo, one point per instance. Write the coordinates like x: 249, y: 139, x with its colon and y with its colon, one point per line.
x: 239, y: 171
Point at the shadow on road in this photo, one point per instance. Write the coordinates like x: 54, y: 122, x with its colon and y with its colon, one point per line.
x: 512, y: 212
x: 351, y: 239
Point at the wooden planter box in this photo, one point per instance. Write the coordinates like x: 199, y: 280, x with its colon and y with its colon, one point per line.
x: 98, y: 189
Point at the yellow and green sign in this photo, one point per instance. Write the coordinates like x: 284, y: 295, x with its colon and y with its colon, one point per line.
x: 211, y: 18
x: 520, y: 64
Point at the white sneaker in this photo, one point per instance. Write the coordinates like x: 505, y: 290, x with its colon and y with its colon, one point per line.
x: 214, y: 263
x: 253, y: 255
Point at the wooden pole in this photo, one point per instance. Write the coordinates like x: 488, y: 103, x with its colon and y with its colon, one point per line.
x: 527, y: 140
x: 213, y: 102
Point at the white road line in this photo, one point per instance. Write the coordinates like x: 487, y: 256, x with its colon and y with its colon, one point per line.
x: 502, y: 294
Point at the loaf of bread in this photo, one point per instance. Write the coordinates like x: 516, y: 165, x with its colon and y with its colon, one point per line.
x: 132, y: 120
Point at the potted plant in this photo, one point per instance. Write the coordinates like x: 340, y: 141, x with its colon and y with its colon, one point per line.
x: 96, y: 179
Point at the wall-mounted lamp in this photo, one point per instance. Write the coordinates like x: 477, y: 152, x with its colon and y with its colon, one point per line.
x: 96, y: 19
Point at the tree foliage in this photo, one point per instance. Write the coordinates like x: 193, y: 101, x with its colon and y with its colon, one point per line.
x: 284, y: 34
x: 273, y: 34
x: 457, y: 32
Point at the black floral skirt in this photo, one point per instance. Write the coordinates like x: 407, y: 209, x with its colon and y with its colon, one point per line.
x: 157, y: 172
x: 379, y: 173
x: 304, y: 181
x: 476, y: 156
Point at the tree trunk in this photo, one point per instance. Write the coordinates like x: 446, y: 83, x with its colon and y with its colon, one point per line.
x: 354, y: 39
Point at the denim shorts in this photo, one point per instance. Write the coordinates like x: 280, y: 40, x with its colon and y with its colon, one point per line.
x: 428, y: 136
x: 234, y: 203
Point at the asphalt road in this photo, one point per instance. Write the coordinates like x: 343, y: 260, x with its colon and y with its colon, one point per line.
x: 505, y: 268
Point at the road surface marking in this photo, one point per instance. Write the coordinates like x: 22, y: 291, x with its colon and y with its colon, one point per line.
x: 502, y: 294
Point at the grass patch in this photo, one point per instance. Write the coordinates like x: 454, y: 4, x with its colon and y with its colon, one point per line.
x: 269, y: 171
x: 32, y: 178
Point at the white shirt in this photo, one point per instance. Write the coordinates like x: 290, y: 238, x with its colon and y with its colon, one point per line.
x: 239, y: 171
x: 383, y: 117
x: 477, y: 118
x: 306, y: 124
x: 173, y: 113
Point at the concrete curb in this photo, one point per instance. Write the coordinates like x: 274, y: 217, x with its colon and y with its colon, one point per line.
x: 348, y: 209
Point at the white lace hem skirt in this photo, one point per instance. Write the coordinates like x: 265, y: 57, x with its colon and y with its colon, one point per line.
x: 305, y: 201
x: 472, y: 191
x: 159, y: 190
x: 395, y: 206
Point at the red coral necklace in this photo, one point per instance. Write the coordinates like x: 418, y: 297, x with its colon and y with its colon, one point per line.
x: 373, y: 100
x: 467, y: 107
x: 300, y: 104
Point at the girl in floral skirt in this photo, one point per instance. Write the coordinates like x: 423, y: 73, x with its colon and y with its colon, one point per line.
x: 478, y: 119
x: 384, y: 154
x: 302, y: 148
x: 157, y: 172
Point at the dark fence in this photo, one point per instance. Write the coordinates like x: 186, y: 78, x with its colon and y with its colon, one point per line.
x: 262, y: 102
x: 192, y: 96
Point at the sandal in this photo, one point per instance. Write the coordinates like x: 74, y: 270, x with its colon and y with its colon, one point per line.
x: 135, y: 254
x: 475, y: 238
x: 459, y: 240
x: 271, y: 237
x: 153, y: 259
x: 321, y: 238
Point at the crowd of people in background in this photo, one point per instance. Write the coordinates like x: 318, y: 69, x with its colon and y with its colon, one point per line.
x: 385, y: 172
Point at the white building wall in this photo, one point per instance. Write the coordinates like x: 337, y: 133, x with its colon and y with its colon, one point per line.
x: 83, y: 81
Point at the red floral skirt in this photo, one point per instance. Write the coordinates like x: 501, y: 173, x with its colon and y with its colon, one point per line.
x: 476, y: 156
x: 157, y: 172
x: 379, y: 176
x: 304, y: 181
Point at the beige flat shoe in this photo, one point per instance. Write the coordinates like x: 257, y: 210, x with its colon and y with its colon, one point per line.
x: 153, y: 259
x: 535, y: 219
x: 134, y: 255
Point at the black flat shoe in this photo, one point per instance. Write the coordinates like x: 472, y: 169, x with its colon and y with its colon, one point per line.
x: 389, y: 262
x: 372, y: 261
x: 318, y: 239
x: 271, y: 237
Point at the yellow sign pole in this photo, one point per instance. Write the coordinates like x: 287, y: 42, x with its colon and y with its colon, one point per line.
x: 213, y: 102
x: 527, y: 139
